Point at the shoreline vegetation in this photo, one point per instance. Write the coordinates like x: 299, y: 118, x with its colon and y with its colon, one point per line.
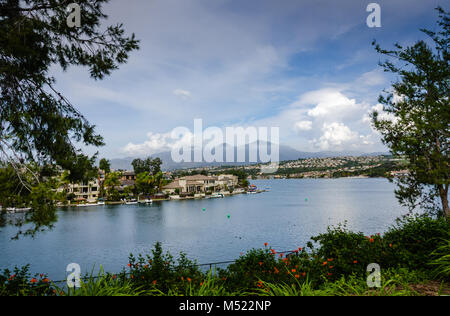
x: 332, y: 263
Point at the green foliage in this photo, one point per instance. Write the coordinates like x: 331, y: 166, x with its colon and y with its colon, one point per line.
x: 105, y: 165
x: 19, y: 283
x: 36, y: 119
x: 38, y: 125
x: 148, y: 165
x: 112, y: 181
x: 162, y: 271
x: 102, y: 285
x: 417, y: 122
x: 414, y: 238
x: 441, y: 261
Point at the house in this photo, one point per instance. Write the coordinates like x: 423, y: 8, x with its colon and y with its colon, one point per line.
x: 201, y: 184
x: 86, y: 191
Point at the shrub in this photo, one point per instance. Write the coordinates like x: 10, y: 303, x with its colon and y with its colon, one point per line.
x: 441, y: 261
x: 414, y: 238
x: 160, y: 271
x: 19, y: 282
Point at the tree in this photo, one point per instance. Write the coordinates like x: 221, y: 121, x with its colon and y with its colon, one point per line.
x: 145, y: 183
x: 112, y: 181
x: 152, y: 166
x: 417, y: 117
x: 37, y: 123
x: 105, y: 165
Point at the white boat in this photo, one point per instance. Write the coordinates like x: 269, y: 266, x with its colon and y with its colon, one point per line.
x: 217, y: 196
x: 87, y: 204
x: 146, y: 201
x: 101, y: 203
x: 131, y: 202
x: 12, y: 210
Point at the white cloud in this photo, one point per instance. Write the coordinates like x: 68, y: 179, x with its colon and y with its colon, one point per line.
x: 331, y: 104
x: 335, y: 135
x: 184, y: 94
x: 373, y: 78
x: 157, y: 143
x: 304, y: 125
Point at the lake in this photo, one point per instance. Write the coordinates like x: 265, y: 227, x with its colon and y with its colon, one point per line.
x: 285, y: 217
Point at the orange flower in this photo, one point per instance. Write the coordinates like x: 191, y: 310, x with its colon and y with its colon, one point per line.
x: 189, y: 279
x: 390, y: 245
x: 33, y: 280
x: 355, y: 262
x: 12, y: 277
x: 266, y: 244
x: 331, y: 267
x: 45, y: 280
x: 273, y: 251
x: 132, y: 276
x: 281, y: 255
x: 329, y: 260
x: 154, y: 282
x: 300, y: 249
x: 293, y: 270
x: 114, y: 277
x: 297, y: 276
x: 201, y: 283
x: 329, y: 274
x: 371, y: 240
x: 304, y: 274
x: 325, y: 263
x: 276, y: 271
x: 182, y: 279
x: 146, y: 266
x: 260, y: 263
x: 129, y: 264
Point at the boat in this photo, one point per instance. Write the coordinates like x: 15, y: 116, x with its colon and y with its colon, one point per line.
x: 13, y: 210
x: 88, y: 204
x: 146, y: 201
x: 132, y: 202
x: 100, y: 203
x: 217, y: 196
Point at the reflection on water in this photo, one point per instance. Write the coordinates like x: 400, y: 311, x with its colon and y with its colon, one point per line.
x: 286, y: 217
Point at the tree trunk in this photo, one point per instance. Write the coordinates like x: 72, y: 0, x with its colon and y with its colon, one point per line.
x: 443, y: 192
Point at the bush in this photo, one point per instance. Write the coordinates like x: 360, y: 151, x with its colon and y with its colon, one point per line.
x: 20, y: 283
x: 441, y: 261
x: 161, y: 271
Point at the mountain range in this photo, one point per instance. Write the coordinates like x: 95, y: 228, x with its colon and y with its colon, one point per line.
x: 286, y: 153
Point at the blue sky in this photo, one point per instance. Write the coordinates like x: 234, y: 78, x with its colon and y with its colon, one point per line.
x: 307, y: 67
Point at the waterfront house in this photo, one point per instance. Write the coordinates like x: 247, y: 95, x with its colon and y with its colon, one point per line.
x: 86, y: 191
x: 199, y: 184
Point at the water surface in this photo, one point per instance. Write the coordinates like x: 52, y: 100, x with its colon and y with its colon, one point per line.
x: 286, y: 218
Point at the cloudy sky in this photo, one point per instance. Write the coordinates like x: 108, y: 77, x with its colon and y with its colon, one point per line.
x: 307, y: 67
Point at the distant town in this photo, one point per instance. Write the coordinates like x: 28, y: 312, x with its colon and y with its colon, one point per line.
x: 333, y: 167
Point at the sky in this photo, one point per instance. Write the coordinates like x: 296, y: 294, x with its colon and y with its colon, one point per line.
x: 307, y: 67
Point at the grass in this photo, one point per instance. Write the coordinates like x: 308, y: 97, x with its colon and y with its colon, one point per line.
x: 102, y: 285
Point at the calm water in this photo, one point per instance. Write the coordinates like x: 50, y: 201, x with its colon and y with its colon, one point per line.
x: 105, y: 235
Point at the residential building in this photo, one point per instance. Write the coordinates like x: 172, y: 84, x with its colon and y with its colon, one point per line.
x: 201, y: 184
x: 87, y: 191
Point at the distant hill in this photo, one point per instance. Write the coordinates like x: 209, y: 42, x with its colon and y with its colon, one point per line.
x: 286, y: 153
